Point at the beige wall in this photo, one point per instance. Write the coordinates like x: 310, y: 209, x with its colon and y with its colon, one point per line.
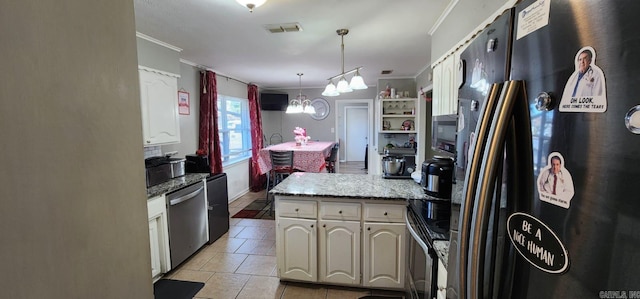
x: 73, y: 215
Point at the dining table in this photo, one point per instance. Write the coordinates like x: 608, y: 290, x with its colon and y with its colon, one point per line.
x: 309, y: 157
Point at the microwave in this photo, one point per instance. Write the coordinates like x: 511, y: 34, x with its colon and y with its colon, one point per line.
x: 443, y: 133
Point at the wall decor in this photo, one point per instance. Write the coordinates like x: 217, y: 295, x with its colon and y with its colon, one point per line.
x: 183, y: 102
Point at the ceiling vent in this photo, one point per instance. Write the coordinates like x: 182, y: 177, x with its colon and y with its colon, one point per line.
x: 386, y: 72
x: 280, y: 28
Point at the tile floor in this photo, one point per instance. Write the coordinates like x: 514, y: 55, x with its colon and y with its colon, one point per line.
x: 242, y: 263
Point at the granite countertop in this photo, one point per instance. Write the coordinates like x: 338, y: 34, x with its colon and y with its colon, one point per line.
x: 359, y: 186
x: 175, y: 184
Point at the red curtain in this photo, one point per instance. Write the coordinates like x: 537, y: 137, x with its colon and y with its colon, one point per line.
x: 209, y: 140
x: 256, y: 180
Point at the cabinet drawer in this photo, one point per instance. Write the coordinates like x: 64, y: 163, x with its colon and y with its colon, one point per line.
x: 297, y: 208
x: 340, y: 211
x: 384, y: 212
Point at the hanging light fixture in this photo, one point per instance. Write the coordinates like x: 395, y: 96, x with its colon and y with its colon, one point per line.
x: 343, y: 86
x: 300, y: 104
x: 251, y: 4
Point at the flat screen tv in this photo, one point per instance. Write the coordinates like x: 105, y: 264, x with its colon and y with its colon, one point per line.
x: 274, y: 101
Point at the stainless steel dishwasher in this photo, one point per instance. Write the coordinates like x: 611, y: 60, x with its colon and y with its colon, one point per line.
x: 188, y: 230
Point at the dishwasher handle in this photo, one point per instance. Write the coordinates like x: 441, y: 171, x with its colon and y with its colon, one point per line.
x: 180, y: 199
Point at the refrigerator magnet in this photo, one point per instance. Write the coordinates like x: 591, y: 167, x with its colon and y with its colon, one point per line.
x: 585, y: 90
x: 555, y: 184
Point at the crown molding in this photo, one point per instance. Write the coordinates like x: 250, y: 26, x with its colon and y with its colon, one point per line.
x: 158, y: 42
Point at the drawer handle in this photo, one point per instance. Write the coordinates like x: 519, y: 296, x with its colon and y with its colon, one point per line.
x: 297, y: 209
x: 324, y: 225
x: 385, y: 213
x: 368, y: 228
x: 340, y: 212
x: 311, y: 225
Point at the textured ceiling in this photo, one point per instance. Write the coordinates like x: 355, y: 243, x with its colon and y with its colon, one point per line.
x: 224, y: 36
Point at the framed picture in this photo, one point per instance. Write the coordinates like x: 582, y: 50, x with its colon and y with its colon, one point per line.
x: 183, y: 102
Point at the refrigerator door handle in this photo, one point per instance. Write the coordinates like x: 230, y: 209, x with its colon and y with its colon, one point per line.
x: 492, y: 161
x: 471, y: 181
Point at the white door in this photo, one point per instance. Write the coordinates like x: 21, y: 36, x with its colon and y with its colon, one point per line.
x: 356, y: 131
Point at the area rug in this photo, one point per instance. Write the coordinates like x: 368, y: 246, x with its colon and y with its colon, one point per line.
x: 176, y: 289
x: 258, y: 209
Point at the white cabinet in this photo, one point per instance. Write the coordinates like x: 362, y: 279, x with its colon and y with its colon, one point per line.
x: 398, y: 115
x: 442, y: 280
x: 446, y: 82
x: 296, y: 240
x: 158, y: 236
x: 384, y: 246
x: 339, y: 253
x: 159, y: 105
x: 355, y: 242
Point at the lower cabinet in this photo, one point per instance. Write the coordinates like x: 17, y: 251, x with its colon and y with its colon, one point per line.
x: 297, y: 253
x: 384, y: 254
x: 158, y: 237
x: 340, y: 252
x: 354, y: 243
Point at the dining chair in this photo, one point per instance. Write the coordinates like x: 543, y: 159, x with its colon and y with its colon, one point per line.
x: 331, y: 160
x: 281, y: 167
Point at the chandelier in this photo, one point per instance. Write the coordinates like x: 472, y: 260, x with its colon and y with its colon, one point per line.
x: 356, y: 81
x: 251, y: 4
x: 300, y: 104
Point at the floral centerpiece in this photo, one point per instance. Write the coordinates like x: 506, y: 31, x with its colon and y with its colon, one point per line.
x: 301, y: 136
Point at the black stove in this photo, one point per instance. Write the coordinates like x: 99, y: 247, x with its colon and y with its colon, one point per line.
x: 432, y: 229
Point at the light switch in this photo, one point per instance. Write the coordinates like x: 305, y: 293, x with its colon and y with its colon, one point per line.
x: 333, y: 130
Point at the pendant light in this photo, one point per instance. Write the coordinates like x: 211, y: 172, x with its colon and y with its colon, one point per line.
x: 251, y: 4
x: 300, y: 104
x: 357, y: 82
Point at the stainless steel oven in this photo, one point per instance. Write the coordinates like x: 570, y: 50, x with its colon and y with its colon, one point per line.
x: 422, y: 268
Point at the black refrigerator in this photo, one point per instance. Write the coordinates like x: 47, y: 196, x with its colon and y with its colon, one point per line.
x: 550, y: 117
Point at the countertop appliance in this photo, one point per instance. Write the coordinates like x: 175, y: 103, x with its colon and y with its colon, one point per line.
x: 398, y: 163
x: 217, y: 206
x: 197, y: 164
x: 438, y: 176
x: 517, y: 239
x: 163, y: 168
x: 187, y: 214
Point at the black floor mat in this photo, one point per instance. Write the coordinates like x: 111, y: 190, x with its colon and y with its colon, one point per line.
x: 176, y: 289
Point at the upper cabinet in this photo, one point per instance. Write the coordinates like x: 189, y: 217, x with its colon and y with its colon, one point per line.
x: 159, y: 104
x: 447, y: 76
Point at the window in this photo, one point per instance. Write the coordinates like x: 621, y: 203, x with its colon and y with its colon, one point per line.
x: 234, y: 129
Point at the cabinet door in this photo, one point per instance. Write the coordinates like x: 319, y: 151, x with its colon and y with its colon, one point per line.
x: 158, y: 236
x: 159, y: 104
x: 340, y: 252
x: 154, y: 244
x: 442, y: 280
x: 436, y: 96
x: 384, y: 255
x: 296, y: 246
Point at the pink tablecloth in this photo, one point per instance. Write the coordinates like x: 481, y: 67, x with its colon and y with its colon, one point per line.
x: 309, y: 157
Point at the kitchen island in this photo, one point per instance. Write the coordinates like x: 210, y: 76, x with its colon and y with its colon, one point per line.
x: 344, y: 229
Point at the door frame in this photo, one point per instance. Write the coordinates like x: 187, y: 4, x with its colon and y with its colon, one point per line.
x: 340, y: 122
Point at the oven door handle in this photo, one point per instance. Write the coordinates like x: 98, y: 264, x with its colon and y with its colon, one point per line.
x: 415, y: 236
x: 180, y: 199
